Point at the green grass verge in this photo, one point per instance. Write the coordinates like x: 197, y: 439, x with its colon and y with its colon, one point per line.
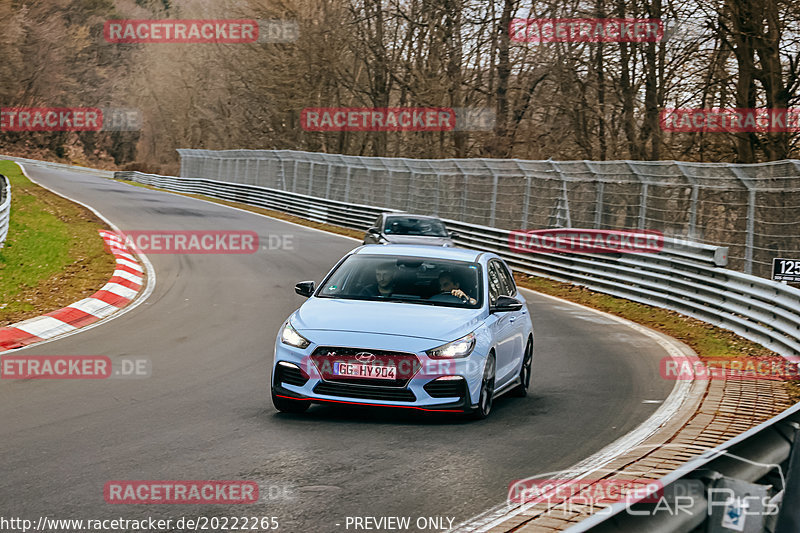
x: 53, y: 254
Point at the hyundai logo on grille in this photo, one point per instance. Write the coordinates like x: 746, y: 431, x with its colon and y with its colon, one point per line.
x: 365, y: 357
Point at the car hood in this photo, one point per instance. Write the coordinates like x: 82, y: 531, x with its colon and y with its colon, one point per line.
x: 418, y: 239
x: 386, y: 318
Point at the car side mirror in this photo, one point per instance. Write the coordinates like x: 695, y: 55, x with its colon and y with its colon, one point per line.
x: 504, y: 304
x: 453, y: 234
x: 374, y: 231
x: 304, y: 288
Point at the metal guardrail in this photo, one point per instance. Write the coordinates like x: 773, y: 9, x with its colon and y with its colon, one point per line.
x: 5, y: 208
x: 749, y: 457
x: 685, y: 277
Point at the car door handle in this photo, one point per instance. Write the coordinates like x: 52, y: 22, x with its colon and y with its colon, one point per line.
x: 512, y: 319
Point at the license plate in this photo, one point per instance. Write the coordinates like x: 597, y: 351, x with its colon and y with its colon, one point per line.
x: 357, y: 370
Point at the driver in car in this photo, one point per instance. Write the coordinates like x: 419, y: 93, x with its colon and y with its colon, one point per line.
x: 385, y: 274
x: 449, y: 285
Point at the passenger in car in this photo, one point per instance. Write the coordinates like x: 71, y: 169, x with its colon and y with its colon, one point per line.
x: 385, y: 274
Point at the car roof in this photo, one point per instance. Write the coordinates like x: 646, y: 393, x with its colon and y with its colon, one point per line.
x: 408, y: 215
x: 412, y: 250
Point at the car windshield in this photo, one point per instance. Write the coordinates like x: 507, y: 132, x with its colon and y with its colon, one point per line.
x: 429, y: 227
x: 415, y: 280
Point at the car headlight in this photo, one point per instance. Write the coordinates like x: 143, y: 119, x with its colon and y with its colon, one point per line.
x: 290, y: 336
x: 453, y: 350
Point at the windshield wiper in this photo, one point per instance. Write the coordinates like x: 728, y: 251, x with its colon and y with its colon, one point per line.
x: 407, y: 301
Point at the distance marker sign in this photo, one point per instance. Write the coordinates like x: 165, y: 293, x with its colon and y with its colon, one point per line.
x: 786, y: 269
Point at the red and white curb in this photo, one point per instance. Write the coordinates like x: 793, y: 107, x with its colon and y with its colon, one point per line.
x: 125, y: 283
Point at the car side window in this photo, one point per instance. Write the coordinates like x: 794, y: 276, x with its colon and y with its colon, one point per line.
x: 508, y: 278
x: 495, y: 284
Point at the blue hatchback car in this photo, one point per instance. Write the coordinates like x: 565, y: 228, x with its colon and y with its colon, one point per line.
x: 415, y: 327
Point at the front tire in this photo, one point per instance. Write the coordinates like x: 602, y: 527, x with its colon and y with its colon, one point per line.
x: 486, y: 397
x: 521, y: 390
x: 285, y: 405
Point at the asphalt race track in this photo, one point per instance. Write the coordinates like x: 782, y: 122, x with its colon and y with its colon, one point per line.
x: 205, y: 413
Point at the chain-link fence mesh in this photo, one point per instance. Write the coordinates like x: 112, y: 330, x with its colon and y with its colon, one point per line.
x: 752, y: 209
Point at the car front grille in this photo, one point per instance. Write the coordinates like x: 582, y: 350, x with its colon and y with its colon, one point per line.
x: 407, y: 365
x: 448, y: 388
x: 365, y: 392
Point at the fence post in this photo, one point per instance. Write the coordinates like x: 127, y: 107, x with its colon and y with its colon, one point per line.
x: 328, y: 181
x: 347, y: 184
x: 751, y: 216
x: 438, y: 193
x: 598, y: 213
x: 563, y: 201
x: 388, y: 199
x: 642, y: 224
x: 493, y: 206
